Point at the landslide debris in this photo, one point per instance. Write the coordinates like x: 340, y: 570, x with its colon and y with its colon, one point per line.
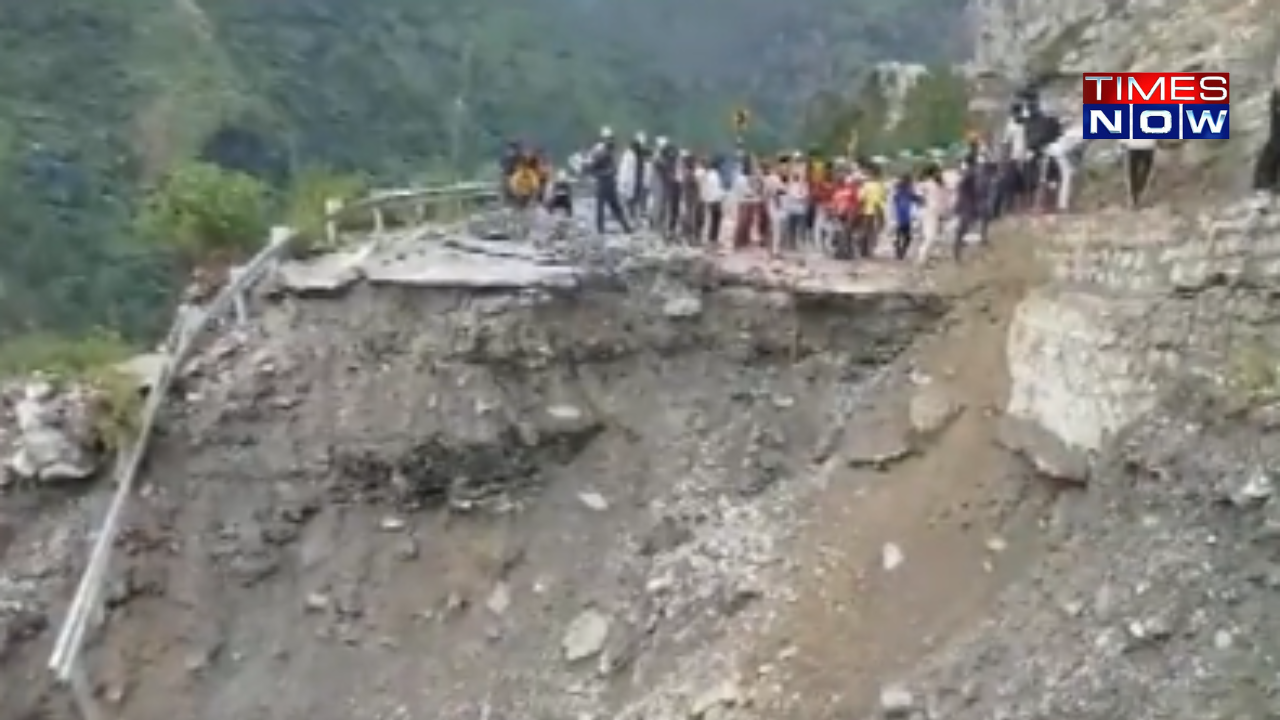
x: 547, y: 499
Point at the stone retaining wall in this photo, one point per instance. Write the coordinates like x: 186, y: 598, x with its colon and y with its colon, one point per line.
x: 1153, y: 251
x: 1135, y: 299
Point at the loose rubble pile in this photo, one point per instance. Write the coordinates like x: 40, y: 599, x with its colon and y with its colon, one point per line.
x: 414, y: 475
x: 50, y: 434
x: 1155, y: 599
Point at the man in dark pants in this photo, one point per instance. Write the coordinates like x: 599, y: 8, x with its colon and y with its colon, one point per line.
x: 1139, y: 161
x: 665, y: 171
x: 1042, y: 131
x: 1266, y: 172
x: 639, y: 199
x: 970, y: 207
x: 604, y: 168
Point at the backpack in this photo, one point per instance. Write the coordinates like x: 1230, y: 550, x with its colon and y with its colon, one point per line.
x: 1042, y: 130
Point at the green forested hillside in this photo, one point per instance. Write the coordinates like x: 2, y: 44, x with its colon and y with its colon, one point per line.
x: 101, y: 98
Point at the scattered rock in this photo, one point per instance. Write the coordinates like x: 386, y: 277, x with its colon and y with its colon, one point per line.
x: 932, y: 409
x: 1256, y: 489
x: 406, y: 549
x: 1044, y: 451
x: 392, y: 524
x: 877, y: 445
x: 565, y: 413
x: 499, y: 599
x: 586, y: 635
x: 896, y: 701
x: 594, y: 501
x: 891, y: 557
x: 727, y: 693
x: 317, y: 602
x: 686, y: 306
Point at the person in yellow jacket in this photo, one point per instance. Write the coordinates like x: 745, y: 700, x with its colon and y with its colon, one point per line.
x: 875, y: 201
x: 524, y: 182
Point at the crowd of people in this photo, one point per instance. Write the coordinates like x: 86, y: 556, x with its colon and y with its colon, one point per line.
x: 846, y: 207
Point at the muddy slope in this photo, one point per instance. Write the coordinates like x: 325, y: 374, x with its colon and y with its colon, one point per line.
x: 527, y: 504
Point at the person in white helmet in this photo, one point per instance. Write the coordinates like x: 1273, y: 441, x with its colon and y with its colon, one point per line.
x: 633, y: 178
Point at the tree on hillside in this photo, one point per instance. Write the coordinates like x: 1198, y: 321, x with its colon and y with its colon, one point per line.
x: 207, y: 215
x: 934, y: 114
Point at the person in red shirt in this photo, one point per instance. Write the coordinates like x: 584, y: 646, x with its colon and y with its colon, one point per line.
x: 843, y: 206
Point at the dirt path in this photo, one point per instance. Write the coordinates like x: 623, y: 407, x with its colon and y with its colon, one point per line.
x: 960, y: 512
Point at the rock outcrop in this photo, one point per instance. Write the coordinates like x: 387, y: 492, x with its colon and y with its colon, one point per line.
x: 894, y: 81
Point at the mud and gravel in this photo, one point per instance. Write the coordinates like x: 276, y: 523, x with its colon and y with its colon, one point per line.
x: 409, y: 502
x: 659, y: 497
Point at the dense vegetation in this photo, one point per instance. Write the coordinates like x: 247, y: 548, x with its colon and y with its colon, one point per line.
x: 106, y: 99
x: 933, y: 114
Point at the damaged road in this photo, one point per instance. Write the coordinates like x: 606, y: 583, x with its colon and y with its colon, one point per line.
x: 559, y: 496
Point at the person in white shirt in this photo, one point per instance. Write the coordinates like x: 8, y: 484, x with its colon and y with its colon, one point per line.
x: 775, y: 189
x: 935, y: 207
x: 1139, y: 161
x: 1064, y: 156
x: 1016, y: 156
x: 712, y: 194
x: 629, y: 174
x: 795, y: 206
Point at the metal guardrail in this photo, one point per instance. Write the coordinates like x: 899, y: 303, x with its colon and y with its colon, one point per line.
x: 188, y: 328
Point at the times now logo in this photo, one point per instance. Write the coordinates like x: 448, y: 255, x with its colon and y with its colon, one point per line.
x: 1157, y: 106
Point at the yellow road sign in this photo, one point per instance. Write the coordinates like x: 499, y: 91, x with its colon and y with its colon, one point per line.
x: 741, y: 118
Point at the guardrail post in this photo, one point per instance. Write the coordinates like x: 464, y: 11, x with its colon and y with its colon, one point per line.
x: 187, y: 317
x: 280, y: 234
x: 419, y: 213
x: 238, y: 302
x: 379, y: 222
x: 332, y: 207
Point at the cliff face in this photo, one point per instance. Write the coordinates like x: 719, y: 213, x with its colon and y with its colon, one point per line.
x: 1056, y: 40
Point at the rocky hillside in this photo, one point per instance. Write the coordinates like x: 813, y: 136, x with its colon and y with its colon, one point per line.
x: 1053, y: 42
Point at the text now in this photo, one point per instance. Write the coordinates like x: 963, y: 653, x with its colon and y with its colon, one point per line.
x: 1157, y: 122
